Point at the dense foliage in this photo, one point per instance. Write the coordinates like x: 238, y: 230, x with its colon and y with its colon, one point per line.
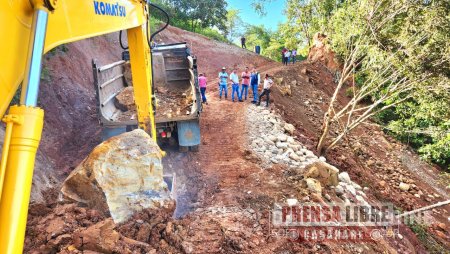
x: 207, y: 17
x: 402, y: 40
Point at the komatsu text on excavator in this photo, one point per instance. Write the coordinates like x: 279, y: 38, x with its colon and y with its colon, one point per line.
x: 28, y: 29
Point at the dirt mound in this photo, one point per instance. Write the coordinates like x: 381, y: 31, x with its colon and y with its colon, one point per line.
x: 67, y: 228
x: 321, y: 52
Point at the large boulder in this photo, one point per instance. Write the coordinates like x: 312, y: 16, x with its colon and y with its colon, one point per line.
x: 313, y: 185
x: 125, y: 100
x: 325, y: 173
x: 121, y: 176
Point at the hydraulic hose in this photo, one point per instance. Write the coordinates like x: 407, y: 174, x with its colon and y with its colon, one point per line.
x: 149, y: 39
x: 120, y: 41
x: 161, y: 29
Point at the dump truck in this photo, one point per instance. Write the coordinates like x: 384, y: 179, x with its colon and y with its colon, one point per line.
x: 177, y: 100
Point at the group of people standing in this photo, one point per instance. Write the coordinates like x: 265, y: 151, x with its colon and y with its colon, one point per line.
x: 240, y: 89
x: 288, y: 56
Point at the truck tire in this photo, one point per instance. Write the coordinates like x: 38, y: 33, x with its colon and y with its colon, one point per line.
x: 173, y: 142
x: 195, y: 148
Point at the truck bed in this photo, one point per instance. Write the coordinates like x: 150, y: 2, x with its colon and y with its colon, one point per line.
x: 176, y: 91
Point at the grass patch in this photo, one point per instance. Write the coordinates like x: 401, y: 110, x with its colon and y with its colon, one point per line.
x: 45, y: 74
x: 427, y: 240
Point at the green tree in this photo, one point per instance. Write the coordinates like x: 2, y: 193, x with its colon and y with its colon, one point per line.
x: 307, y: 17
x: 398, y: 53
x: 257, y: 35
x: 234, y: 24
x: 195, y: 14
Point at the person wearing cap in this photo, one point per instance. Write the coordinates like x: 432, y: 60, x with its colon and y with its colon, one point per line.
x: 267, y: 85
x: 202, y: 84
x: 235, y: 85
x: 245, y: 83
x: 223, y: 78
x: 255, y: 79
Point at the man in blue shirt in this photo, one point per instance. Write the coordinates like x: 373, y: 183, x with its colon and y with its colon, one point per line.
x: 254, y: 82
x: 223, y: 78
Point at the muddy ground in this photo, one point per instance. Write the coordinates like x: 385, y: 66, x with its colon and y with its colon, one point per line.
x: 223, y: 195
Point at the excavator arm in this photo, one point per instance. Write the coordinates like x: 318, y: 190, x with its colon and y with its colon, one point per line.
x: 28, y: 29
x: 70, y: 20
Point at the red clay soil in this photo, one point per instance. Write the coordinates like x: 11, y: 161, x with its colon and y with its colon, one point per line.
x: 223, y: 195
x: 372, y: 159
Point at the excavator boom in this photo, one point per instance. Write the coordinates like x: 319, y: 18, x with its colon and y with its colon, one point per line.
x: 28, y: 29
x: 71, y: 20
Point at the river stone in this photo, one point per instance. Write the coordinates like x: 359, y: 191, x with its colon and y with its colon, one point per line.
x: 360, y: 199
x: 309, y: 154
x: 290, y: 140
x: 289, y: 128
x: 351, y: 189
x: 339, y: 190
x: 282, y: 137
x: 344, y: 177
x: 272, y: 138
x: 294, y: 147
x: 282, y: 145
x: 121, y: 176
x: 272, y: 120
x: 294, y: 156
x: 404, y: 186
x: 270, y: 142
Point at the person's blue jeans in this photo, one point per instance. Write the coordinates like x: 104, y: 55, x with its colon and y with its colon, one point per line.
x: 203, y: 91
x: 235, y: 88
x: 223, y: 88
x: 244, y: 91
x: 255, y: 92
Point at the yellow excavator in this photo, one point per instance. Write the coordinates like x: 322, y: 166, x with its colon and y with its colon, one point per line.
x: 29, y: 29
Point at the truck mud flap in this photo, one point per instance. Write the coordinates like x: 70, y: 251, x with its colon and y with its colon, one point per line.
x: 188, y: 133
x: 111, y: 132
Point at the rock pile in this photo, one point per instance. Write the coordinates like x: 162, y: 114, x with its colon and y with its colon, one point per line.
x: 349, y: 191
x: 272, y: 140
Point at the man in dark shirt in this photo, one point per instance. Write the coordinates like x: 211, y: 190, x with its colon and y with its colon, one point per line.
x: 243, y: 42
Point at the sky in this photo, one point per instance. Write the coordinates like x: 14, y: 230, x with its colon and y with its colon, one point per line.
x: 274, y: 11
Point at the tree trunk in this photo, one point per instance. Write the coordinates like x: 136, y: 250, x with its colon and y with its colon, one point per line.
x: 325, y: 129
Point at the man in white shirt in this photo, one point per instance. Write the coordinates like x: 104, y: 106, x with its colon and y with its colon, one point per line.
x: 294, y: 55
x: 267, y: 85
x: 235, y: 85
x: 287, y: 56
